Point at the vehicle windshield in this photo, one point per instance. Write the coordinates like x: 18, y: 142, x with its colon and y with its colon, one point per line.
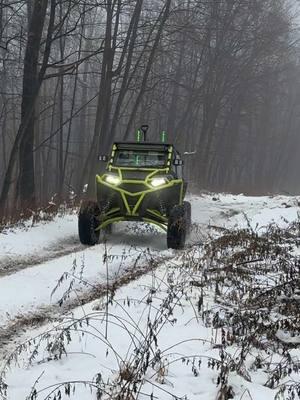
x: 140, y: 158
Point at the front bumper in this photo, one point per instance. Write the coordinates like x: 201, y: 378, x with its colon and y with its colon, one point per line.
x: 137, y: 200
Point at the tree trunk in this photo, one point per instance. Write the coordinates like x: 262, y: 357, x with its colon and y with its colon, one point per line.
x: 103, y: 104
x: 163, y: 17
x: 30, y: 89
x: 31, y: 84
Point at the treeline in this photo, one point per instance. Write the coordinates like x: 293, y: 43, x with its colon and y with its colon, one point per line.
x: 222, y: 77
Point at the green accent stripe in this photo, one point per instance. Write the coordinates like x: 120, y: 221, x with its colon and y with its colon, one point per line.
x: 157, y: 214
x: 139, y: 169
x: 108, y: 222
x: 100, y: 179
x: 112, y: 211
x: 125, y: 202
x: 138, y: 203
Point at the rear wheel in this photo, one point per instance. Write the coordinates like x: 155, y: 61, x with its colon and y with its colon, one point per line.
x: 88, y: 223
x: 177, y: 227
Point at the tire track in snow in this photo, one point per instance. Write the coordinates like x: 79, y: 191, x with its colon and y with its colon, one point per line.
x: 10, y: 265
x: 70, y: 244
x: 16, y: 327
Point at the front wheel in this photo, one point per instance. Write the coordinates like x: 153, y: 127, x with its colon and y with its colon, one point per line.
x: 188, y: 216
x: 88, y: 223
x: 177, y: 227
x: 108, y: 230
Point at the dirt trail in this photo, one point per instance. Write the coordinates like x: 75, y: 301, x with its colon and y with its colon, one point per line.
x: 11, y: 335
x: 12, y: 264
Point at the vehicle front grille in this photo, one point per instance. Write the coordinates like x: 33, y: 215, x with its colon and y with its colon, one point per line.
x: 133, y: 187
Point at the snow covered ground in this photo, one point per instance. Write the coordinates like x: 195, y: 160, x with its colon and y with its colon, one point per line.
x: 106, y: 343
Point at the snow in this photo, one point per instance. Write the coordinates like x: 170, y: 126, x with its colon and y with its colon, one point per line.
x: 222, y: 210
x: 286, y: 337
x: 29, y: 290
x: 34, y: 285
x: 27, y: 240
x: 231, y: 211
x: 89, y: 355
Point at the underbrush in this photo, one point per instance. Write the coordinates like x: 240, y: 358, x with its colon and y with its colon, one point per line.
x: 227, y: 309
x: 255, y: 280
x: 30, y: 217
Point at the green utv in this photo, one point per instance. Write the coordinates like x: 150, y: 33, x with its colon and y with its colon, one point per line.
x: 142, y: 182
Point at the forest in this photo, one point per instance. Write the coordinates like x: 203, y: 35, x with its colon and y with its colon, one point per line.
x: 221, y: 77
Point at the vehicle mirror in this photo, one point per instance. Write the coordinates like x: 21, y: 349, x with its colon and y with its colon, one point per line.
x: 103, y: 158
x: 178, y: 162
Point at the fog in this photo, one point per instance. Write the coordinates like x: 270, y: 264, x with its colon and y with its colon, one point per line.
x: 222, y: 78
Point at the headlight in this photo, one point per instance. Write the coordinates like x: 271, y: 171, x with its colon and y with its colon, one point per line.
x: 159, y: 181
x: 113, y: 180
